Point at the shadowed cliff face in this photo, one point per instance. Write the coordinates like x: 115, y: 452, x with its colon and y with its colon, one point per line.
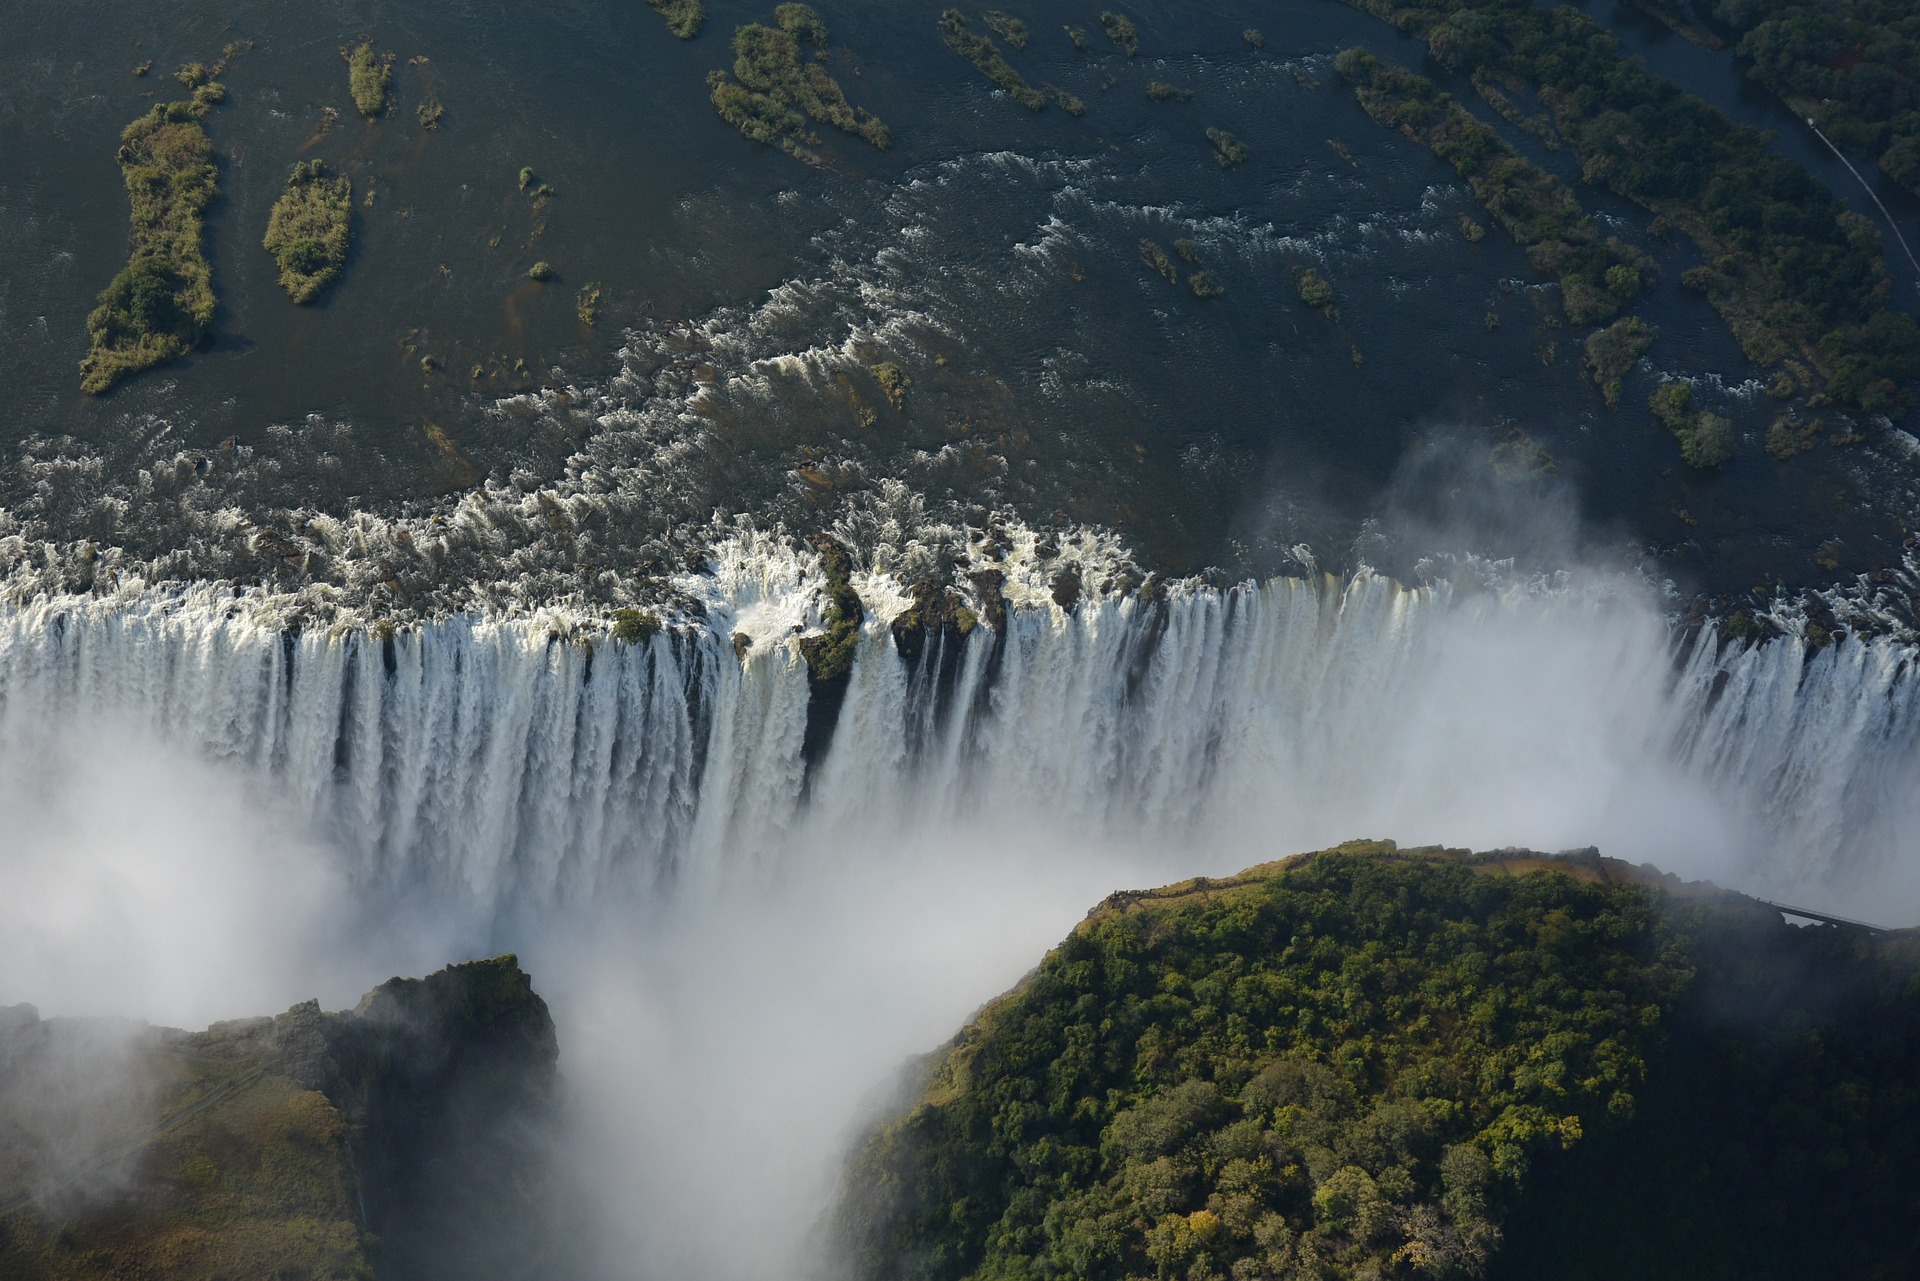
x: 401, y: 1140
x: 452, y: 1080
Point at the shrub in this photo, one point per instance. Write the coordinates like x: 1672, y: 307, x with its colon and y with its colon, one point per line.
x: 367, y: 77
x: 1314, y: 290
x: 1010, y: 29
x: 988, y: 61
x: 683, y: 16
x: 309, y: 230
x: 1227, y: 149
x: 776, y: 86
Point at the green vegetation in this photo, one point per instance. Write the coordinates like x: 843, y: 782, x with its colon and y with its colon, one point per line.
x: 1597, y: 277
x: 428, y: 113
x: 1314, y: 291
x: 271, y: 1148
x: 1470, y: 231
x: 1156, y: 257
x: 1119, y: 29
x: 1066, y: 102
x: 1227, y: 149
x: 1853, y: 67
x: 1612, y: 351
x: 532, y: 186
x: 1369, y: 1063
x: 1078, y: 35
x: 1706, y: 439
x: 258, y: 1186
x: 830, y: 655
x: 308, y: 231
x: 1253, y: 38
x: 988, y: 60
x: 367, y: 77
x: 1788, y: 436
x: 1161, y: 91
x: 1791, y: 272
x: 161, y: 304
x: 1186, y: 250
x: 541, y: 271
x: 586, y: 304
x: 893, y: 382
x: 776, y: 85
x: 1521, y: 458
x: 1204, y: 285
x: 683, y: 16
x: 635, y: 627
x: 1009, y: 29
x: 1337, y: 1068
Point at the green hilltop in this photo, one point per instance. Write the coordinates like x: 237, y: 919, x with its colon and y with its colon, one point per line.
x: 1375, y: 1063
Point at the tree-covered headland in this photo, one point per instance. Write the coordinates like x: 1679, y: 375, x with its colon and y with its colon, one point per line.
x: 1374, y: 1063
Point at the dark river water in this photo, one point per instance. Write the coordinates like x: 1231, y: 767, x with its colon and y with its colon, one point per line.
x: 992, y: 252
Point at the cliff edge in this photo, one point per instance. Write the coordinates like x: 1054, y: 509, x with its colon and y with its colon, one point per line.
x: 396, y: 1140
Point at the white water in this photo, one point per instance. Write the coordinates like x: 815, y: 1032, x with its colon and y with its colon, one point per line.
x: 493, y: 763
x: 203, y: 815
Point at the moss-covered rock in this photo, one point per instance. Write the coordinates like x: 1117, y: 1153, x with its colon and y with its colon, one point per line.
x: 829, y: 654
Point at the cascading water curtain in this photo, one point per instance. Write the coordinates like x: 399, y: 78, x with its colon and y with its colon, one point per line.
x: 495, y: 758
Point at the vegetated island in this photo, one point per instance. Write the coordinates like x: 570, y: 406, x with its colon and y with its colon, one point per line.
x: 308, y: 1145
x: 776, y: 86
x: 986, y: 58
x: 1853, y: 68
x: 368, y: 75
x: 1706, y: 438
x: 683, y: 16
x: 1372, y: 1063
x: 1007, y: 27
x: 1228, y: 150
x: 161, y: 304
x: 1796, y: 276
x: 1597, y: 276
x: 1119, y: 29
x: 309, y: 229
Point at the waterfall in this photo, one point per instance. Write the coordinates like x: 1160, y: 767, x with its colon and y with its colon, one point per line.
x: 528, y: 759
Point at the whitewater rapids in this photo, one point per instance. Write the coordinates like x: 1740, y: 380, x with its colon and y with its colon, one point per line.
x: 521, y: 760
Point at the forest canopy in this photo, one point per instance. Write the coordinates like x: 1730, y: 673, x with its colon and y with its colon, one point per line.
x: 1355, y: 1064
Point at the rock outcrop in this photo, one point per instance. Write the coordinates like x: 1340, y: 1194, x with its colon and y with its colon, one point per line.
x: 403, y: 1139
